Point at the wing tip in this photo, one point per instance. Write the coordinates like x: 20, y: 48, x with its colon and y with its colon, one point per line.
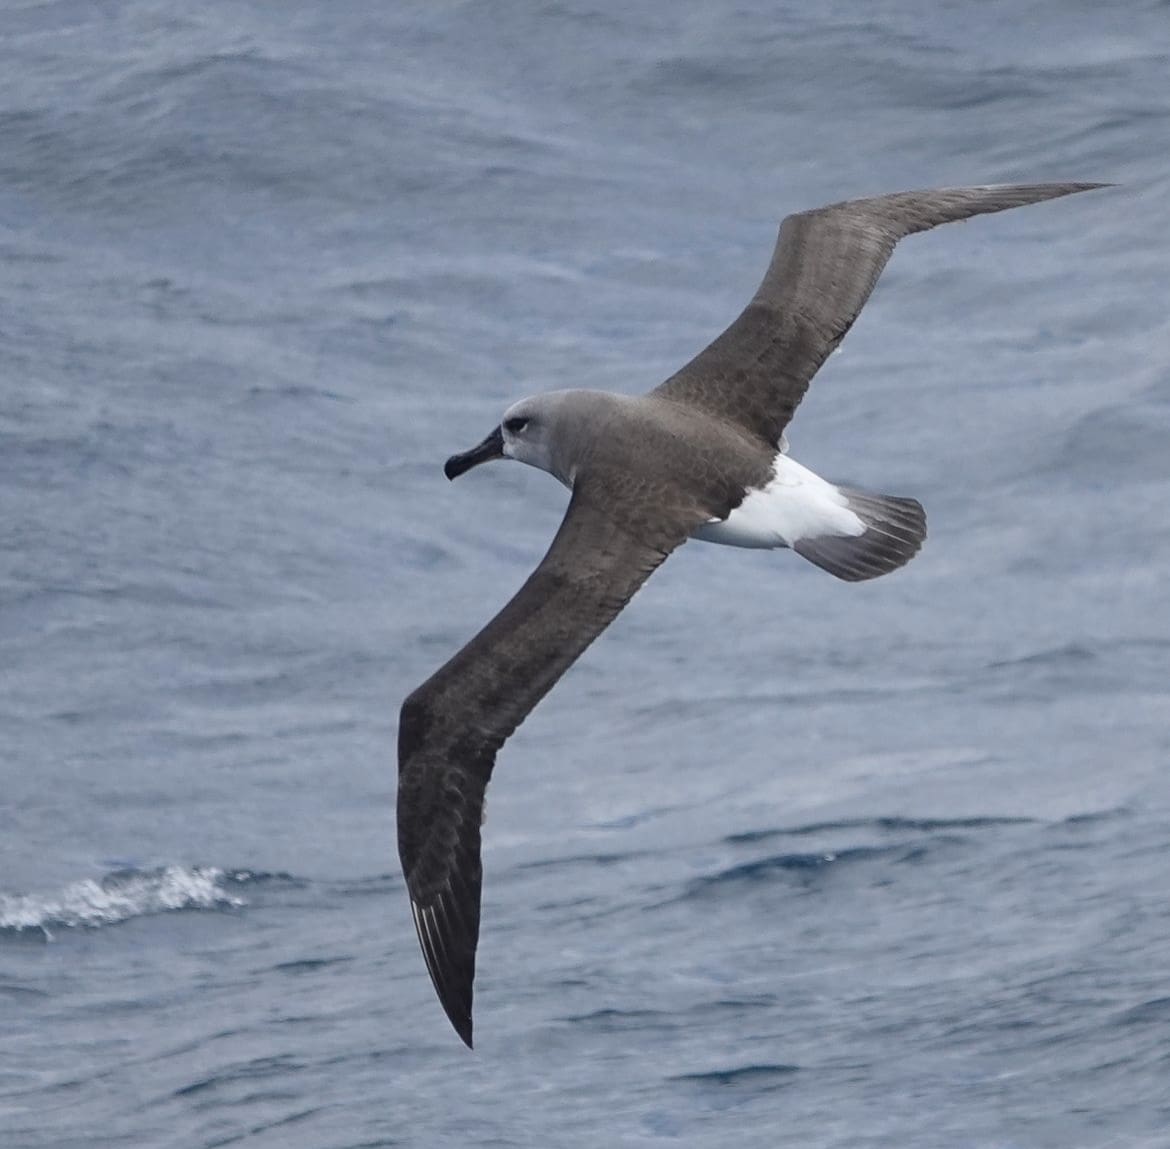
x: 1056, y: 190
x: 1053, y: 185
x: 1007, y: 196
x: 459, y: 1018
x: 930, y: 207
x: 463, y: 1028
x: 453, y: 986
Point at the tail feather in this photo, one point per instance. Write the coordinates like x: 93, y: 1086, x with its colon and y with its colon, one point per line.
x: 894, y: 530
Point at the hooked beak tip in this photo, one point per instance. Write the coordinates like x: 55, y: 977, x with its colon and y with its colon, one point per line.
x: 491, y: 448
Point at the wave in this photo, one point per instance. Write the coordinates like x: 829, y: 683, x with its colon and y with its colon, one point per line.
x: 803, y: 865
x: 889, y: 824
x: 740, y: 1076
x: 124, y: 894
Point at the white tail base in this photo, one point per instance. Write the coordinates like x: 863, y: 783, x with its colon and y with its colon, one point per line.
x: 796, y: 504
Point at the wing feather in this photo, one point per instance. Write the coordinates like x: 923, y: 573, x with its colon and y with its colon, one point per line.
x: 452, y: 726
x: 824, y: 266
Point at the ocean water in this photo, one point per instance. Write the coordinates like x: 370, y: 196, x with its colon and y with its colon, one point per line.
x: 782, y: 861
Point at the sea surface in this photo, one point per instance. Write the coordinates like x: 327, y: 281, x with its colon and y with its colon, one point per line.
x: 783, y: 861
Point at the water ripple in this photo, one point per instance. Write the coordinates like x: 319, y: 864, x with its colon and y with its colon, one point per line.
x: 128, y: 893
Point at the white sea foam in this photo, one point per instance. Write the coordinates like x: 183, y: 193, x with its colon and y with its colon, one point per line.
x: 119, y: 896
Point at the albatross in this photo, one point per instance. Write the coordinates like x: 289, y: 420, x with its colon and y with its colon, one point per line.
x: 702, y: 456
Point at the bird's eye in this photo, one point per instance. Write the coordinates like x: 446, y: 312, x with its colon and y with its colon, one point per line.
x: 515, y: 425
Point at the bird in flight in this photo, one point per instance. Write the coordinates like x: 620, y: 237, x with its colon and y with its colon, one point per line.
x: 702, y: 456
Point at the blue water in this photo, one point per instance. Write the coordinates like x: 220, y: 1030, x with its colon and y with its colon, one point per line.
x: 782, y: 861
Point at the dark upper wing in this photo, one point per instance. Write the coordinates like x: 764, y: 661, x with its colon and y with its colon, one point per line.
x: 825, y: 264
x: 452, y: 726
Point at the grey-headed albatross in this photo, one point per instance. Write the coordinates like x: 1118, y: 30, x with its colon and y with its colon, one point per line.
x: 701, y: 456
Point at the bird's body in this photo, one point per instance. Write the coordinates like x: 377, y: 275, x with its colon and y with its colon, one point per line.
x: 650, y: 453
x: 701, y: 456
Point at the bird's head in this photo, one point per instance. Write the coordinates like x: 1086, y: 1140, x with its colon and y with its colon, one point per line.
x: 527, y: 433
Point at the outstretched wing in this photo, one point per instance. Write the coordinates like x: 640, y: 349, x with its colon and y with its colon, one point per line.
x: 452, y: 726
x: 823, y: 269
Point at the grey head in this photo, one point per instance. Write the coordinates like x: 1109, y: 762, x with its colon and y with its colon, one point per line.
x: 549, y: 431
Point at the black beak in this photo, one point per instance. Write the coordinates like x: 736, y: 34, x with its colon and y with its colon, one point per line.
x: 491, y: 448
